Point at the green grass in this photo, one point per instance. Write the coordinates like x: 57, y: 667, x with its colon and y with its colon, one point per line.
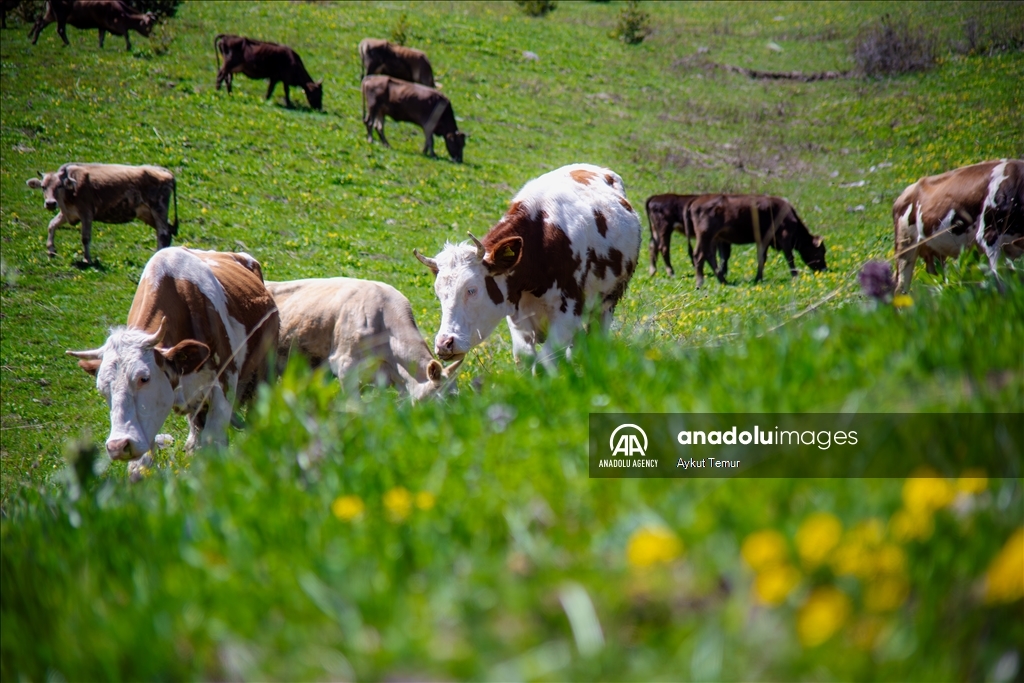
x: 231, y: 563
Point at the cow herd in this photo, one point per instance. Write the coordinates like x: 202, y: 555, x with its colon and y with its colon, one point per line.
x: 205, y: 327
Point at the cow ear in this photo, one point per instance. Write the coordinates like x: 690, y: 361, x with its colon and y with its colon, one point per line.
x: 187, y: 356
x: 817, y: 241
x: 504, y: 256
x: 34, y: 183
x: 68, y: 181
x: 90, y: 366
x: 435, y: 371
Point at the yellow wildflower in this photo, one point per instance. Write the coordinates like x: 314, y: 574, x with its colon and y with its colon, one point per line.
x: 924, y: 494
x: 347, y: 508
x: 825, y: 611
x: 425, y: 500
x: 651, y: 545
x: 764, y: 548
x: 907, y: 526
x: 902, y: 301
x: 1004, y: 579
x: 972, y: 481
x: 817, y: 537
x: 773, y: 584
x: 855, y: 554
x: 889, y: 559
x: 886, y: 593
x: 398, y: 503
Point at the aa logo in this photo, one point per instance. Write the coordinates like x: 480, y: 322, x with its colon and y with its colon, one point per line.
x: 628, y: 443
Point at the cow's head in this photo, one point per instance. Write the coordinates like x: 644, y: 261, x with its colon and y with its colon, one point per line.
x: 436, y: 380
x: 469, y: 283
x: 812, y: 251
x: 315, y: 94
x: 138, y: 379
x: 51, y: 184
x: 146, y: 23
x: 455, y: 142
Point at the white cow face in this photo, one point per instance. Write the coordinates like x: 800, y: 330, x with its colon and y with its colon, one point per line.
x: 138, y: 382
x: 51, y: 184
x: 470, y: 285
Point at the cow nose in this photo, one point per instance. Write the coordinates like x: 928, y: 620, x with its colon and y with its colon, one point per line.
x: 50, y: 206
x: 119, y: 449
x: 445, y: 345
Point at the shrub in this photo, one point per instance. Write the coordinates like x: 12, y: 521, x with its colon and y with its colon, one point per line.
x: 30, y: 10
x: 161, y: 8
x: 634, y: 24
x: 536, y: 8
x: 399, y: 32
x: 892, y: 46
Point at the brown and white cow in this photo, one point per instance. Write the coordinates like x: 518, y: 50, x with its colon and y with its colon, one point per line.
x: 108, y: 193
x: 569, y: 241
x: 199, y: 332
x: 404, y: 101
x: 405, y: 63
x: 357, y: 327
x: 941, y: 215
x: 259, y: 59
x: 113, y: 16
x: 721, y: 220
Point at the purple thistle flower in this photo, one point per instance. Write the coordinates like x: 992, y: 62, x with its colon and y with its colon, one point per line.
x: 876, y: 280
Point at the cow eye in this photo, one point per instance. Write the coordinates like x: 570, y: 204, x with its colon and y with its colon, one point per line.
x: 471, y: 291
x: 143, y: 379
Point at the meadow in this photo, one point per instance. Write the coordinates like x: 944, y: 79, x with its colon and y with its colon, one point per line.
x: 358, y: 536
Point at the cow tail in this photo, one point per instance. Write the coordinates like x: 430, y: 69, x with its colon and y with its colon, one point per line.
x: 174, y: 191
x: 216, y: 48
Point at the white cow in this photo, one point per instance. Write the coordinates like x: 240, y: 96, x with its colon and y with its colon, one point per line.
x: 569, y: 240
x: 199, y: 331
x: 356, y: 325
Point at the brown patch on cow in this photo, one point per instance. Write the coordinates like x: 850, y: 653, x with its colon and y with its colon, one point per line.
x: 610, y: 179
x: 582, y: 176
x: 547, y: 259
x: 600, y: 265
x: 493, y: 291
x: 602, y: 223
x: 622, y: 200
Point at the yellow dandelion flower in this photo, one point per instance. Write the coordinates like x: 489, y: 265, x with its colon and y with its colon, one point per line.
x: 398, y: 503
x: 764, y: 548
x: 773, y: 584
x: 889, y: 559
x: 425, y: 500
x: 902, y: 301
x: 972, y: 481
x: 347, y: 508
x: 650, y: 545
x: 908, y: 526
x: 1004, y: 579
x: 817, y: 537
x: 886, y: 593
x: 824, y: 613
x: 925, y: 494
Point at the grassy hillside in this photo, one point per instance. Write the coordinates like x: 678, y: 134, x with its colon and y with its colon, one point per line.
x: 363, y: 537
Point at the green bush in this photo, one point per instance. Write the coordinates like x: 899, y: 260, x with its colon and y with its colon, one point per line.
x: 536, y: 8
x: 399, y: 32
x: 634, y: 24
x: 890, y: 47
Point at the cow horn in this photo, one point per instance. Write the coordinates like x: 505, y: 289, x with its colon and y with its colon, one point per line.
x: 449, y: 372
x: 428, y: 262
x: 152, y: 340
x: 40, y: 174
x: 91, y: 354
x: 480, y: 251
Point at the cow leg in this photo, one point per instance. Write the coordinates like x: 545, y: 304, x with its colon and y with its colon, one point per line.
x: 788, y: 253
x: 378, y: 124
x: 103, y: 34
x: 762, y: 256
x: 428, y: 143
x: 523, y: 342
x: 62, y: 32
x: 55, y: 223
x: 40, y: 24
x: 724, y: 252
x: 560, y: 332
x: 218, y: 418
x: 196, y: 423
x: 127, y: 41
x: 665, y: 247
x: 287, y: 97
x: 86, y: 235
x: 270, y: 89
x: 713, y: 262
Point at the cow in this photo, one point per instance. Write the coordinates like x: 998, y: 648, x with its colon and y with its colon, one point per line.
x: 568, y: 242
x: 939, y: 216
x: 113, y: 16
x: 259, y: 59
x: 357, y: 326
x: 108, y: 193
x: 405, y: 63
x: 404, y: 101
x: 197, y: 340
x: 722, y: 220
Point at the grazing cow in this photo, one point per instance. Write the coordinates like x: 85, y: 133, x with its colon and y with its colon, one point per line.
x: 112, y: 16
x: 108, y: 193
x: 405, y: 63
x: 403, y: 101
x: 259, y: 59
x: 569, y: 240
x: 721, y: 220
x: 940, y: 215
x: 199, y: 332
x: 350, y: 323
